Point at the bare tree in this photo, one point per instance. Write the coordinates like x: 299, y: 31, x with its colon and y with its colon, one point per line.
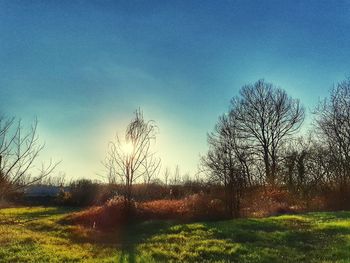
x: 227, y: 162
x: 152, y: 168
x: 58, y: 180
x: 265, y: 116
x: 177, y: 175
x: 300, y: 166
x: 166, y: 175
x: 19, y: 151
x: 133, y: 158
x: 333, y: 126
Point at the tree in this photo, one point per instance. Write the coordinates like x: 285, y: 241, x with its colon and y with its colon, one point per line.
x: 19, y: 151
x: 166, y: 176
x: 299, y: 166
x: 333, y: 127
x: 177, y: 175
x: 152, y: 168
x: 227, y: 162
x: 133, y: 158
x: 265, y: 116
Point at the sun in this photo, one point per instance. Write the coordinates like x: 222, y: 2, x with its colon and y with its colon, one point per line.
x: 128, y: 148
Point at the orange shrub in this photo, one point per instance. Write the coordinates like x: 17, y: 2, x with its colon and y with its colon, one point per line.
x: 203, y: 207
x: 4, y: 204
x: 193, y: 207
x: 116, y: 211
x: 161, y: 209
x: 260, y: 202
x: 335, y: 199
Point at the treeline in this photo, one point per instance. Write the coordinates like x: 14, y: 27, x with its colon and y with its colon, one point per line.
x: 259, y: 155
x: 258, y: 151
x: 259, y: 143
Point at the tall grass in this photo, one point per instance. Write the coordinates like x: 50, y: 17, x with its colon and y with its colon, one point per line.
x: 118, y: 211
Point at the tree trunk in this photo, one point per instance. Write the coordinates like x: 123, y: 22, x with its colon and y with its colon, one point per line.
x: 269, y: 178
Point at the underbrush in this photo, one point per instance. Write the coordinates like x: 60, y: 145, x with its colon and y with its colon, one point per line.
x: 118, y: 211
x: 270, y: 201
x: 193, y: 207
x: 257, y: 202
x: 6, y: 204
x: 262, y: 202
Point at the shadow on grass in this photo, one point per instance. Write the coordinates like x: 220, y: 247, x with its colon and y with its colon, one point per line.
x: 312, y: 237
x: 23, y: 215
x: 43, y: 212
x: 290, y: 239
x: 243, y: 240
x: 126, y: 238
x: 138, y: 234
x: 324, y: 216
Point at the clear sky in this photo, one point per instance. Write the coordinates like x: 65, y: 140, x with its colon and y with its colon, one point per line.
x: 83, y: 67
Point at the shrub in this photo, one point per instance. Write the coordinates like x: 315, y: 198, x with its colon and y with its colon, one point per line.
x: 193, y: 207
x: 147, y: 192
x: 64, y: 197
x: 161, y: 209
x: 335, y: 199
x: 115, y: 212
x: 203, y: 207
x: 81, y: 193
x: 4, y: 204
x: 118, y: 212
x: 266, y: 201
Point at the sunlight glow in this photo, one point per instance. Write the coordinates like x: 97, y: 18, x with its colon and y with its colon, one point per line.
x: 128, y: 148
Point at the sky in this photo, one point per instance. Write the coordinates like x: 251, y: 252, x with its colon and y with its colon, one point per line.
x: 83, y: 67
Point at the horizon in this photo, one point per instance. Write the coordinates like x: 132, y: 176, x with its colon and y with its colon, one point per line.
x: 83, y: 68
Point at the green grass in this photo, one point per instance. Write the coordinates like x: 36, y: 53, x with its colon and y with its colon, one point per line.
x: 36, y: 235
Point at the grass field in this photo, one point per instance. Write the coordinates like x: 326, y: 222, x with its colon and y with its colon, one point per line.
x: 36, y: 235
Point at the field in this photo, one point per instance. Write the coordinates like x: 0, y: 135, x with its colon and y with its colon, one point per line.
x: 37, y: 235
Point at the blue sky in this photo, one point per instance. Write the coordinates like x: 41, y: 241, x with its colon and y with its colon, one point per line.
x: 83, y: 67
